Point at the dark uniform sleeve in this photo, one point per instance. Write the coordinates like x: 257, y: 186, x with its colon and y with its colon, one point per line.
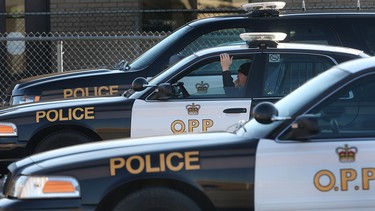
x: 229, y: 88
x: 227, y: 79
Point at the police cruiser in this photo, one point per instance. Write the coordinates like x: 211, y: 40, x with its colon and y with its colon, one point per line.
x: 189, y: 97
x: 350, y: 29
x: 312, y: 150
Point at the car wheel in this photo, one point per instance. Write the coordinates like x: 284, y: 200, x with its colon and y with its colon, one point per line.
x: 157, y: 199
x: 62, y: 138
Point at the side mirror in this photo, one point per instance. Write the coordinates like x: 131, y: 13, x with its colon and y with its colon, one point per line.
x: 164, y: 91
x: 265, y: 112
x: 304, y: 127
x: 139, y: 84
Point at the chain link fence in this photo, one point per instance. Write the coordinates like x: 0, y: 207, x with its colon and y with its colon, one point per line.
x: 32, y: 54
x: 86, y: 40
x: 82, y: 40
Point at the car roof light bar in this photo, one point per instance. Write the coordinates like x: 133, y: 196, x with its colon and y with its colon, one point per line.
x: 258, y: 36
x: 263, y: 39
x: 264, y: 9
x: 276, y: 5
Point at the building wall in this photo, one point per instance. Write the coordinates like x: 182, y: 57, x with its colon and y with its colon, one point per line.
x: 124, y: 15
x: 100, y: 16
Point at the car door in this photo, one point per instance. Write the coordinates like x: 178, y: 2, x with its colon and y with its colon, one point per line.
x: 335, y: 170
x: 209, y: 107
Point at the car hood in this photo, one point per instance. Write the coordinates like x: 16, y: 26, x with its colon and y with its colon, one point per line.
x: 52, y: 77
x: 60, y: 104
x: 59, y: 76
x: 92, y: 153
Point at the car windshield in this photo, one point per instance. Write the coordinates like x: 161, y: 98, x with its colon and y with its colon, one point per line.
x: 156, y: 50
x: 296, y: 100
x: 309, y: 91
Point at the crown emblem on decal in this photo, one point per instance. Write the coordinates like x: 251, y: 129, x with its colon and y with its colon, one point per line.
x: 202, y: 87
x: 193, y: 109
x: 346, y: 154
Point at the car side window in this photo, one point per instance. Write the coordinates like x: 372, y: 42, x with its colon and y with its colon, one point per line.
x: 212, y: 39
x: 215, y: 38
x: 309, y: 33
x: 206, y: 80
x: 286, y: 72
x: 350, y: 113
x: 366, y: 31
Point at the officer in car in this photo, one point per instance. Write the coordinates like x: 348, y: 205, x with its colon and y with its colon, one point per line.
x: 233, y: 87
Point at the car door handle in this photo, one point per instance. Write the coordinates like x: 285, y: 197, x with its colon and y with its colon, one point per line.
x: 235, y: 110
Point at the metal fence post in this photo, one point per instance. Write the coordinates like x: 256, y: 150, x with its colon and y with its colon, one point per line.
x: 60, y: 63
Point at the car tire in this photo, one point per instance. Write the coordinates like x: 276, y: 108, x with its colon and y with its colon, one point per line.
x: 157, y: 199
x: 62, y: 138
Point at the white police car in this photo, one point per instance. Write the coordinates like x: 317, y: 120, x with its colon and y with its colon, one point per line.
x: 312, y: 150
x: 198, y: 99
x: 189, y: 97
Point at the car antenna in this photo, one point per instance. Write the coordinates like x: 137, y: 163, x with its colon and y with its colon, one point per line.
x: 303, y: 5
x: 358, y: 5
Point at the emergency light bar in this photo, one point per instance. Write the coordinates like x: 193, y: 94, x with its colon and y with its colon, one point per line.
x: 277, y: 5
x: 263, y: 36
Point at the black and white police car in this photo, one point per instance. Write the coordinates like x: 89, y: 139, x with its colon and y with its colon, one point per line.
x: 338, y: 28
x: 188, y: 97
x: 312, y: 150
